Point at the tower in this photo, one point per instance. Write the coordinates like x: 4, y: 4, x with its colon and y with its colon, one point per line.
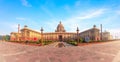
x: 18, y: 32
x: 101, y: 31
x: 41, y: 35
x: 77, y: 34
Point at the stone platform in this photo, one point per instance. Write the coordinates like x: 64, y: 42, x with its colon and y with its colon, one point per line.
x: 103, y: 52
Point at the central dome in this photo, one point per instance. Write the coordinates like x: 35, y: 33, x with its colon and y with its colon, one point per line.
x: 60, y: 28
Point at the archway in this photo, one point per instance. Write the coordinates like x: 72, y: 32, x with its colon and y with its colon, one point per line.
x: 60, y: 38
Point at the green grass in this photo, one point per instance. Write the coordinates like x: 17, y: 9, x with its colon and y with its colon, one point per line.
x: 73, y: 42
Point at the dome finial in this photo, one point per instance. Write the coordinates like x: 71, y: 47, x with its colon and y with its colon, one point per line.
x: 41, y: 29
x: 94, y: 26
x: 77, y: 29
x: 25, y: 26
x: 60, y: 22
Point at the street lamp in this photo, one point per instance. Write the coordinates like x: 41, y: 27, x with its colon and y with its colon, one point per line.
x: 41, y: 35
x: 18, y: 32
x: 77, y: 34
x: 101, y: 32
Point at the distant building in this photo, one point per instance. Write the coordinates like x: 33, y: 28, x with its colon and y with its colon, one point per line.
x: 60, y: 34
x: 106, y: 36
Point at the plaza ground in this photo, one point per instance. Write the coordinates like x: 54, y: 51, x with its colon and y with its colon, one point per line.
x: 100, y: 52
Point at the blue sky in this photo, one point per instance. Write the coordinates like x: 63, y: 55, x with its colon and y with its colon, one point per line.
x: 47, y: 14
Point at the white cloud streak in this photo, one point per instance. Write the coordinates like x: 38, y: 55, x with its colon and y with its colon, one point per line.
x: 77, y: 3
x: 11, y: 27
x: 48, y: 12
x: 67, y: 8
x: 25, y: 3
x: 118, y: 12
x: 21, y: 18
x: 93, y: 14
x: 14, y: 27
x: 73, y: 22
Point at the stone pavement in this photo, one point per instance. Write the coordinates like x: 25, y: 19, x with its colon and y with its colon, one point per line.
x: 103, y: 52
x: 56, y: 43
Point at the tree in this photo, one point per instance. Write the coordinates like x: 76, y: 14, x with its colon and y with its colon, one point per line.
x: 80, y: 40
x: 6, y: 37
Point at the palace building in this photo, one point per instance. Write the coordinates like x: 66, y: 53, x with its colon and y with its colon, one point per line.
x: 60, y: 34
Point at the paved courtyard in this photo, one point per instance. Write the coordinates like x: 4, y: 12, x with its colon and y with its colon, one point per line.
x: 103, y: 52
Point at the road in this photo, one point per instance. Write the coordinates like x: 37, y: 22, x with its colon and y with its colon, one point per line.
x: 103, y: 52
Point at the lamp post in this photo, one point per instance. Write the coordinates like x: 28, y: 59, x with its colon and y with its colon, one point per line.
x: 77, y: 34
x: 41, y: 35
x: 101, y: 32
x: 18, y: 31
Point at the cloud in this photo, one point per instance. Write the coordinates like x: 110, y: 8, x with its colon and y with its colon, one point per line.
x: 14, y: 27
x: 25, y: 3
x: 8, y: 27
x: 77, y: 3
x: 118, y: 12
x: 2, y: 33
x: 115, y: 32
x: 66, y: 7
x: 87, y: 15
x: 50, y: 25
x: 21, y: 18
x: 47, y: 11
x: 92, y: 14
x: 73, y: 22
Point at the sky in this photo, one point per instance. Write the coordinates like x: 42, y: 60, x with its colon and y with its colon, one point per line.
x: 48, y: 13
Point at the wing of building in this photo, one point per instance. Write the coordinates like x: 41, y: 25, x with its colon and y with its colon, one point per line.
x: 60, y: 34
x: 92, y: 34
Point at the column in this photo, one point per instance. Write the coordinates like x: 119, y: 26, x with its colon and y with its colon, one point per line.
x: 41, y: 35
x: 77, y: 34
